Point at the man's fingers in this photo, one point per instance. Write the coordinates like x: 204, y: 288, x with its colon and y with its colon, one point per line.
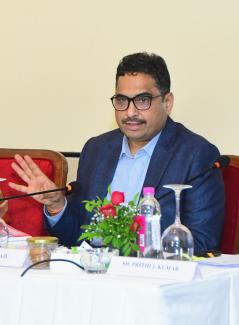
x: 27, y: 169
x: 21, y: 167
x: 35, y: 170
x: 21, y: 173
x: 24, y: 166
x: 20, y: 188
x: 45, y: 198
x: 35, y: 179
x: 30, y: 168
x: 24, y: 189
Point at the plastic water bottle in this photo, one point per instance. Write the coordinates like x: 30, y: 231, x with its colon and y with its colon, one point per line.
x: 150, y: 232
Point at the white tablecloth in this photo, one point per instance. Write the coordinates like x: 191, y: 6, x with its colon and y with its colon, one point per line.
x: 42, y: 297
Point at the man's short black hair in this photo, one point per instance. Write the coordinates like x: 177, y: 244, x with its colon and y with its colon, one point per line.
x: 151, y: 64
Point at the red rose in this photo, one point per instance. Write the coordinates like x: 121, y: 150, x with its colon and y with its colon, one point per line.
x: 137, y: 224
x: 117, y: 198
x: 108, y: 210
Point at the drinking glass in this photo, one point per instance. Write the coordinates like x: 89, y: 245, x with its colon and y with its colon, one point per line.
x: 97, y: 260
x: 177, y: 240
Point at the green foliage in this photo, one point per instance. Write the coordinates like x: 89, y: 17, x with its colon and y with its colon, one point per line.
x: 114, y: 230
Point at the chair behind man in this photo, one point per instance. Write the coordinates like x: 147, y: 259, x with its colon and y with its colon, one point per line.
x: 230, y: 238
x: 26, y: 214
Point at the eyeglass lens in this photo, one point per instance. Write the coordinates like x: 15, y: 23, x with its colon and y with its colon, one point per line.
x: 141, y: 102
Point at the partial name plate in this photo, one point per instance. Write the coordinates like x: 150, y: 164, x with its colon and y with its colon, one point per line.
x: 156, y: 268
x: 64, y: 266
x: 12, y: 257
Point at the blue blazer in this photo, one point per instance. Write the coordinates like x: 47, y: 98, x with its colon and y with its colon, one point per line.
x: 179, y: 154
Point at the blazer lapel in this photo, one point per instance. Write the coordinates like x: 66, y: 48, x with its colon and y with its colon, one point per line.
x: 108, y: 164
x: 161, y: 157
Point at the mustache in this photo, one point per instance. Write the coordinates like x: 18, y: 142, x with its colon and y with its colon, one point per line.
x: 133, y: 119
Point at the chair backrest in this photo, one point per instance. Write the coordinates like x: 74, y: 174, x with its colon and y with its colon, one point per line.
x: 73, y: 164
x: 230, y: 237
x: 26, y: 214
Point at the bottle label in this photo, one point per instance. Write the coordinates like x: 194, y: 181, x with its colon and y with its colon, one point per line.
x: 141, y: 242
x: 141, y: 234
x: 156, y: 232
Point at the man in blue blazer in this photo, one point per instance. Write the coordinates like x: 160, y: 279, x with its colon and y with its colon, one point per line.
x: 148, y: 149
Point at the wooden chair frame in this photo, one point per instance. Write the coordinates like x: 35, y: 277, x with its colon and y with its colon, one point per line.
x: 58, y: 160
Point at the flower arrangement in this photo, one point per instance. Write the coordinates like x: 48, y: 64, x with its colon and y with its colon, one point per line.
x: 114, y: 221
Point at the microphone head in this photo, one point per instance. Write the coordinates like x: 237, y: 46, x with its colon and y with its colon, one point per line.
x: 72, y: 187
x: 223, y: 161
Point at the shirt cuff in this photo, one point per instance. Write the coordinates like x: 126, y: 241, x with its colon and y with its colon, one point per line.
x: 53, y: 221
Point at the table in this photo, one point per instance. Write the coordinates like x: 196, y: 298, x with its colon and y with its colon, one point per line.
x: 45, y: 297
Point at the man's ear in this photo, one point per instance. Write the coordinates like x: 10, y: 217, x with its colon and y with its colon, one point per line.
x: 168, y: 102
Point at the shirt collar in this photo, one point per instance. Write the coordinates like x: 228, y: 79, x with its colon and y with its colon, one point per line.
x: 148, y: 148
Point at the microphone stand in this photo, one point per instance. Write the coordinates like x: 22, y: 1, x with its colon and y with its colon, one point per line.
x: 190, y: 180
x: 66, y: 188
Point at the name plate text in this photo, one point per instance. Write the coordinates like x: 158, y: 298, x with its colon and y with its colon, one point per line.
x: 12, y: 257
x: 156, y: 268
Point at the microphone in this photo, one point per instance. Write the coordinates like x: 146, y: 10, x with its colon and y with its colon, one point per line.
x: 221, y: 162
x: 68, y: 189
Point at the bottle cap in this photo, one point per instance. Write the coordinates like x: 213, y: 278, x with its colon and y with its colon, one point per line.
x: 42, y: 240
x: 149, y: 190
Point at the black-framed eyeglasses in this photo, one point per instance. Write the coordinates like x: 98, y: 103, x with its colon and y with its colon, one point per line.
x: 142, y: 101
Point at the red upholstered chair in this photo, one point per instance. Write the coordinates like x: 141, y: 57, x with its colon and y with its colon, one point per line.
x: 230, y: 238
x: 26, y: 214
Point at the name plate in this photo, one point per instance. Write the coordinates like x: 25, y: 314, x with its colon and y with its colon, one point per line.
x: 156, y: 268
x: 12, y: 257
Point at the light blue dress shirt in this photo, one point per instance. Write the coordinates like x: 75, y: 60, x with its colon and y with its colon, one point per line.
x: 129, y: 174
x: 131, y: 169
